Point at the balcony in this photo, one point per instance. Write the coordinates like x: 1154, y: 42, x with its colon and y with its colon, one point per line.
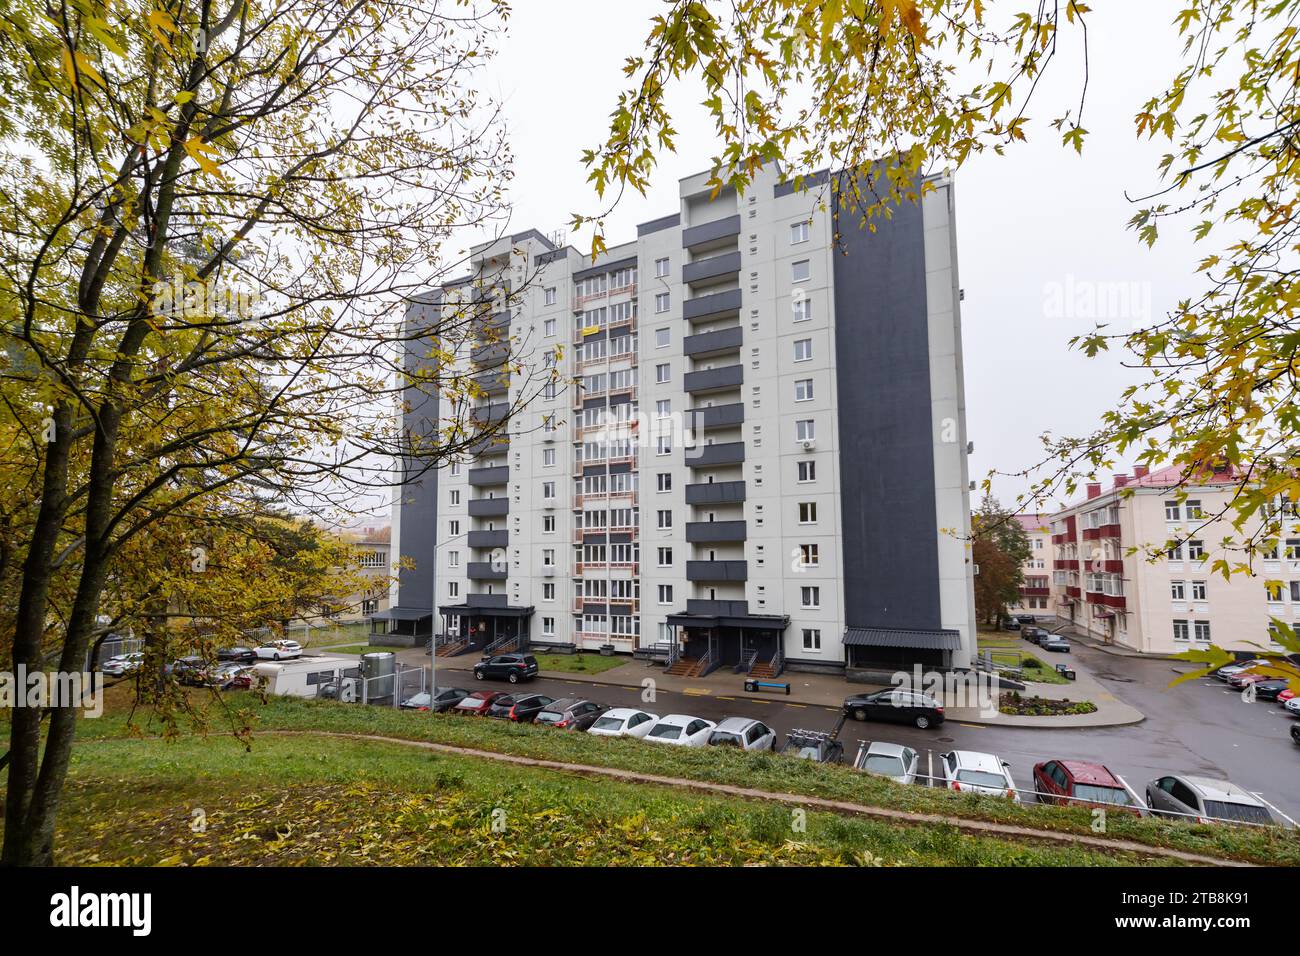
x: 490, y: 414
x: 715, y: 493
x: 711, y: 531
x: 493, y: 383
x: 1029, y: 592
x: 717, y: 571
x: 706, y: 308
x: 714, y: 379
x: 1072, y: 591
x: 1114, y: 600
x: 1109, y: 530
x: 492, y: 355
x: 713, y: 270
x: 492, y: 445
x: 489, y: 507
x: 1066, y: 564
x: 488, y: 539
x: 1113, y: 565
x: 482, y: 477
x: 716, y: 416
x: 714, y: 343
x: 709, y: 456
x: 485, y: 571
x: 711, y: 235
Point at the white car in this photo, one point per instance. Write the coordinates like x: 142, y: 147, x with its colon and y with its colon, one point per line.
x: 681, y: 730
x: 1232, y: 670
x: 122, y: 664
x: 744, y: 733
x: 1293, y: 705
x: 972, y: 772
x: 623, y: 722
x: 894, y: 761
x: 279, y: 651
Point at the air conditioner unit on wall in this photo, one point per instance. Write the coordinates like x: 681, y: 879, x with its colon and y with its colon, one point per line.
x: 808, y: 445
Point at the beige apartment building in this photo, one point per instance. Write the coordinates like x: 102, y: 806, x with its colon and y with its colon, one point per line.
x: 1036, y: 588
x: 1175, y: 602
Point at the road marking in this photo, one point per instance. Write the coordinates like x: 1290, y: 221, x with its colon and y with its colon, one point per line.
x: 720, y: 697
x: 972, y: 726
x: 796, y: 705
x: 697, y: 691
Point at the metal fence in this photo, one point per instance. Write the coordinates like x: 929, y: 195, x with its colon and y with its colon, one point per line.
x: 114, y: 645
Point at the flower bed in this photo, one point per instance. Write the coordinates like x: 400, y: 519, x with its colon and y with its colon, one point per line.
x: 1019, y: 705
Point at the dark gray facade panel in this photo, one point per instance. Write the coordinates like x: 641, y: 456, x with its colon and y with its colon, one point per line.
x: 711, y: 231
x: 626, y: 263
x: 887, y: 487
x: 660, y: 224
x: 419, y: 511
x: 810, y: 181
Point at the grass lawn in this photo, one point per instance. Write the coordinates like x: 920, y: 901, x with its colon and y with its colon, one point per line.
x: 354, y: 649
x: 579, y: 663
x: 765, y: 771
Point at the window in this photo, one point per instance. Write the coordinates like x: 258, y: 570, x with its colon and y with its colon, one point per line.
x: 800, y: 271
x: 1180, y: 631
x: 548, y: 490
x: 807, y: 512
x: 1176, y: 590
x: 807, y: 471
x: 1192, y: 509
x: 1175, y: 553
x: 1274, y: 591
x: 808, y: 556
x: 663, y: 444
x: 662, y: 338
x: 453, y: 559
x: 663, y: 408
x: 1201, y: 631
x: 548, y: 591
x: 803, y: 390
x: 810, y: 597
x: 661, y: 373
x: 548, y: 328
x: 550, y: 296
x: 664, y: 481
x: 665, y: 519
x: 550, y: 390
x: 548, y: 626
x: 453, y: 529
x: 812, y: 639
x: 1295, y: 592
x: 663, y: 302
x: 661, y: 268
x: 548, y: 524
x: 548, y: 424
x: 805, y: 429
x: 799, y: 232
x: 455, y: 468
x: 548, y: 557
x: 1172, y: 511
x: 1195, y: 550
x: 802, y: 350
x: 453, y: 589
x: 453, y: 496
x: 548, y: 457
x: 665, y: 557
x: 665, y: 594
x: 1198, y: 591
x: 802, y: 307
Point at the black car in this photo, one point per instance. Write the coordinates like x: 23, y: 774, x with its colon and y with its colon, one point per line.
x: 896, y: 705
x: 241, y: 655
x: 1269, y: 689
x: 442, y: 699
x: 1295, y: 733
x: 521, y: 708
x: 1011, y: 624
x: 571, y: 713
x: 1026, y: 618
x: 192, y: 670
x: 511, y: 667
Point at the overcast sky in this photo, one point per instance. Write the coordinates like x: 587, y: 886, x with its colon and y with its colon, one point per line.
x: 1033, y: 226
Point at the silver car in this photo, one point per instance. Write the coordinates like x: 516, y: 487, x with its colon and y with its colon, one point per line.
x: 1205, y: 800
x: 744, y: 733
x: 894, y: 761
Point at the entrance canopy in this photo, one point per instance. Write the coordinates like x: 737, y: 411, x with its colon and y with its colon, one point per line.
x: 898, y: 649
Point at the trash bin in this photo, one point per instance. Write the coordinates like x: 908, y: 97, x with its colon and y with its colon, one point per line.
x: 751, y: 686
x: 1065, y: 671
x: 607, y: 650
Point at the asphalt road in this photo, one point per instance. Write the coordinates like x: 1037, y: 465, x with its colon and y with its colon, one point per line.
x: 1198, y: 728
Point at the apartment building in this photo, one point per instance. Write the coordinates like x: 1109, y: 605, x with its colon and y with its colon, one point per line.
x: 1036, y: 586
x: 1176, y: 602
x: 756, y: 454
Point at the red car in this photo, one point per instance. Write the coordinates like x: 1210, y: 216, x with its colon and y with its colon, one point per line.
x: 1075, y: 783
x: 478, y: 702
x: 1284, y: 696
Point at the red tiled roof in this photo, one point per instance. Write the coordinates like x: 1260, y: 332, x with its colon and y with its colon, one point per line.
x: 1034, y: 523
x: 1172, y: 475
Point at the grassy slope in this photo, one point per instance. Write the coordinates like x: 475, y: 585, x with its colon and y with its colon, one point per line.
x: 764, y: 771
x: 306, y: 800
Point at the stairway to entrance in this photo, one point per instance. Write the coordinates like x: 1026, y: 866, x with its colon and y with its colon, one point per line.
x: 687, y: 667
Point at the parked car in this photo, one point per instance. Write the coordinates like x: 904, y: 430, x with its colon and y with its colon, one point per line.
x: 1228, y: 671
x: 1026, y: 618
x: 244, y: 655
x: 1271, y: 688
x: 1205, y: 800
x: 896, y: 704
x: 1284, y: 697
x: 571, y: 713
x: 477, y: 703
x: 680, y: 730
x: 521, y: 708
x: 970, y: 771
x: 279, y: 651
x: 1293, y: 705
x: 511, y: 667
x: 121, y: 664
x: 192, y: 671
x: 1076, y: 783
x: 894, y: 761
x: 1241, y: 679
x: 441, y: 700
x: 623, y: 722
x: 1027, y: 630
x: 1011, y: 624
x: 743, y: 733
x: 813, y: 745
x: 1054, y: 642
x: 233, y: 675
x: 1295, y: 733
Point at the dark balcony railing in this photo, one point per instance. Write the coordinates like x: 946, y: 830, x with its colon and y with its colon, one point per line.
x: 493, y: 383
x: 704, y: 531
x: 717, y: 570
x: 716, y: 416
x: 722, y: 608
x: 708, y: 456
x: 715, y: 493
x: 714, y: 379
x: 706, y: 308
x: 485, y: 571
x: 713, y: 269
x: 491, y: 355
x: 489, y: 507
x: 488, y: 539
x: 489, y: 414
x: 497, y: 475
x: 711, y: 233
x: 492, y: 445
x: 714, y: 343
